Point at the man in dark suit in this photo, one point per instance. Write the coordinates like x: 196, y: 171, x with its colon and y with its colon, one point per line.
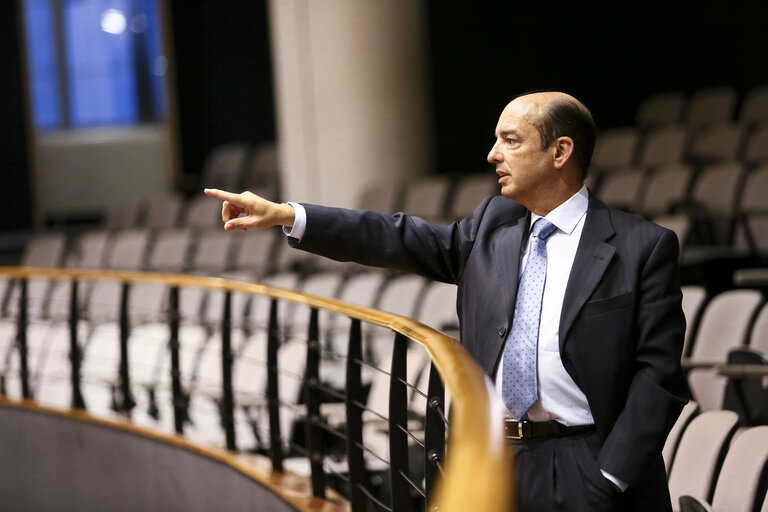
x: 605, y: 318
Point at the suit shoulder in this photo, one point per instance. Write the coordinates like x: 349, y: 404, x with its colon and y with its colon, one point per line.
x: 631, y: 220
x: 640, y: 228
x: 500, y: 207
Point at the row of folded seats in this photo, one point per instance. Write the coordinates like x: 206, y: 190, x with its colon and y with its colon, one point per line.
x: 717, y: 453
x: 201, y: 314
x: 697, y: 164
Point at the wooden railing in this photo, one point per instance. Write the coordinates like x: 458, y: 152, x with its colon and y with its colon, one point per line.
x: 478, y: 472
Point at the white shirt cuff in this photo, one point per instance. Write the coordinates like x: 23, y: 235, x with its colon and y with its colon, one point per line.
x: 621, y: 485
x: 299, y: 223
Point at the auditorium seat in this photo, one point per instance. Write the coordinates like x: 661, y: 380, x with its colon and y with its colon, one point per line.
x: 152, y: 388
x: 170, y: 251
x: 250, y: 319
x: 680, y: 223
x: 694, y: 298
x: 214, y: 251
x: 128, y: 251
x: 42, y: 250
x: 713, y: 201
x: 748, y: 396
x: 700, y: 455
x: 52, y: 381
x: 261, y: 173
x: 48, y: 338
x: 147, y: 304
x: 689, y: 412
x: 710, y: 105
x: 163, y: 212
x: 615, y: 149
x: 665, y: 187
x: 438, y: 307
x: 751, y: 228
x: 754, y: 108
x: 660, y: 109
x: 125, y: 215
x: 255, y: 250
x: 381, y: 196
x: 724, y: 325
x: 326, y: 284
x: 664, y: 145
x: 622, y: 187
x: 718, y: 142
x: 89, y: 249
x: 201, y: 211
x: 469, y: 192
x: 400, y: 295
x: 756, y: 145
x: 740, y: 478
x: 427, y: 197
x: 224, y: 165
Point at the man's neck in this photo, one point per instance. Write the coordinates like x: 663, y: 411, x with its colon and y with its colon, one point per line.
x: 552, y: 199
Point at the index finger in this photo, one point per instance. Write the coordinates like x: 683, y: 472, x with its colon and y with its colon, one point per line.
x: 220, y: 194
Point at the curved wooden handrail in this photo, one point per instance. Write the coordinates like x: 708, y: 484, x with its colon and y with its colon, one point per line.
x: 478, y: 472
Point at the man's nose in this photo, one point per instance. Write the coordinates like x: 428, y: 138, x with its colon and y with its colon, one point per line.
x: 494, y: 156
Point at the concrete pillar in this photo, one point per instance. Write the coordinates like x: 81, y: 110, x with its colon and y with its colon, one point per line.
x: 350, y: 91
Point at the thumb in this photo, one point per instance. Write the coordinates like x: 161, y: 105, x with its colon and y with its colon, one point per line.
x: 238, y: 223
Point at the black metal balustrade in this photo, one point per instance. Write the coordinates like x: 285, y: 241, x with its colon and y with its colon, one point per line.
x: 407, y: 489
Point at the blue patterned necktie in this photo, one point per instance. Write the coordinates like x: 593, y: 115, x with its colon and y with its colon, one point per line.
x: 520, y: 352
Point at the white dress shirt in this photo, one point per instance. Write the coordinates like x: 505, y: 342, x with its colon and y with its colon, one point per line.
x: 559, y: 397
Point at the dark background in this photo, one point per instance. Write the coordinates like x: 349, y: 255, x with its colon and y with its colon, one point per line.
x: 608, y: 54
x: 481, y: 55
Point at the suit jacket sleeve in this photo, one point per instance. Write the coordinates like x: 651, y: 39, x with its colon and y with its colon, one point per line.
x: 398, y: 241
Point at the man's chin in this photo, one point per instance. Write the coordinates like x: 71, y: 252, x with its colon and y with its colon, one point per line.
x: 508, y: 192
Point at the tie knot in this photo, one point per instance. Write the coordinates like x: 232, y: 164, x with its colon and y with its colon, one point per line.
x: 542, y: 228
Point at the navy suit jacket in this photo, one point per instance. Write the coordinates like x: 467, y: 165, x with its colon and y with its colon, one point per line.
x: 621, y: 326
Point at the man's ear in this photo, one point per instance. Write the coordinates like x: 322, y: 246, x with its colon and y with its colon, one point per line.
x: 563, y: 151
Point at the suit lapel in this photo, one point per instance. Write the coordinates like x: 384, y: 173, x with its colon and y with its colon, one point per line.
x: 592, y: 258
x: 508, y: 247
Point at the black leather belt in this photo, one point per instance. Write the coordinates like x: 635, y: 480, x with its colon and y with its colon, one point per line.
x: 541, y: 430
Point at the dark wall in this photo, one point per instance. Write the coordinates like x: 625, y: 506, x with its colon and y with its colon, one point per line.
x: 610, y: 56
x: 224, y: 76
x: 15, y: 200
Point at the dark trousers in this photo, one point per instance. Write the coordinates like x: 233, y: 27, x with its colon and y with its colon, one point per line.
x: 563, y: 475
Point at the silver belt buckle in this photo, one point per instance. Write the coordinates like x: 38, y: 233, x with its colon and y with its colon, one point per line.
x: 519, y: 434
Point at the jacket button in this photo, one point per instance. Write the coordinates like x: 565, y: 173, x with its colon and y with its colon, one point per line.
x: 502, y: 330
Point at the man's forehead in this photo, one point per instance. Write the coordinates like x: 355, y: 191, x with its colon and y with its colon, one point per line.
x: 517, y: 116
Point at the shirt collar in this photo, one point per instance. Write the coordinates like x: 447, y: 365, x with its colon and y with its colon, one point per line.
x: 566, y: 216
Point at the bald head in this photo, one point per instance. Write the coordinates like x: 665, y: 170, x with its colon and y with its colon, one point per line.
x: 557, y: 114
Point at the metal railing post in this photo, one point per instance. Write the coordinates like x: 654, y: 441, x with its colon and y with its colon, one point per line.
x: 75, y: 356
x: 127, y: 402
x: 355, y: 401
x: 227, y: 398
x: 21, y: 340
x: 312, y: 397
x: 179, y: 400
x: 434, y: 430
x: 273, y: 395
x: 398, y: 424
